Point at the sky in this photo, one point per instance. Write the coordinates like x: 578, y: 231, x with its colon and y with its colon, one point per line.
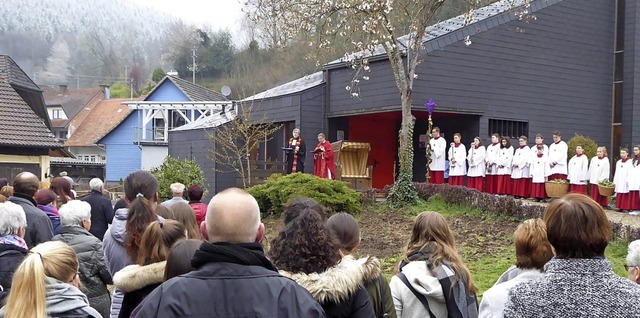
x: 219, y: 14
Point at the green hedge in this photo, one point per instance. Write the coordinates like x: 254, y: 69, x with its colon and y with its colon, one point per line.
x: 278, y: 190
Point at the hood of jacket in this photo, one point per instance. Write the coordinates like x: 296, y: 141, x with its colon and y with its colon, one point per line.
x: 62, y: 298
x: 119, y: 225
x: 340, y: 282
x: 134, y: 277
x: 423, y: 280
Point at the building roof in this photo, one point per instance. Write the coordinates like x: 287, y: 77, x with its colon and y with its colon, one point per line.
x: 210, y: 121
x: 502, y: 11
x: 21, y: 127
x: 72, y: 101
x: 105, y: 116
x: 195, y: 93
x: 14, y: 75
x: 295, y: 86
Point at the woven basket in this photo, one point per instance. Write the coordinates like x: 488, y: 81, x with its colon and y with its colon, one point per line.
x: 556, y: 190
x: 606, y: 191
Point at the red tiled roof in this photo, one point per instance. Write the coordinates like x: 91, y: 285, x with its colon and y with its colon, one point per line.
x: 103, y: 118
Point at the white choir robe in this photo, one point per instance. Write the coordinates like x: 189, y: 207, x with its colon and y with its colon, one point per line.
x: 534, y: 151
x: 520, y: 163
x: 539, y: 169
x: 476, y: 162
x: 621, y: 177
x: 460, y: 154
x: 578, y: 170
x: 492, y: 156
x: 558, y: 153
x: 438, y: 149
x: 505, y: 158
x: 599, y: 169
x: 634, y: 178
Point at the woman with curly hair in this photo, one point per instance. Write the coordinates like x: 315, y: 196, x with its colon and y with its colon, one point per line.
x: 305, y: 251
x: 432, y: 280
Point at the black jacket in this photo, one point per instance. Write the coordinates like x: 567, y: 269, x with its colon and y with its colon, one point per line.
x: 10, y: 258
x: 39, y: 228
x: 136, y: 282
x: 93, y: 271
x: 101, y: 213
x: 229, y: 288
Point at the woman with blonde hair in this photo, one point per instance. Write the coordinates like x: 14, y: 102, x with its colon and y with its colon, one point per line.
x: 46, y: 285
x: 432, y: 280
x: 533, y: 251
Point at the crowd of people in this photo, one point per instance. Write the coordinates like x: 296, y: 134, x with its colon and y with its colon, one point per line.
x: 522, y: 173
x: 164, y: 264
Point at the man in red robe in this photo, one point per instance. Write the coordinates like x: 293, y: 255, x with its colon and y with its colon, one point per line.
x: 323, y: 164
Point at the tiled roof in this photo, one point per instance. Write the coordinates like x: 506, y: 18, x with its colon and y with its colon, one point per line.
x: 294, y: 86
x: 104, y: 117
x: 72, y: 101
x: 19, y: 125
x: 502, y: 8
x: 12, y: 73
x: 195, y: 93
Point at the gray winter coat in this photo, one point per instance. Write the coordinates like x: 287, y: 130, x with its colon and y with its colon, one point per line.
x: 93, y: 271
x: 575, y: 288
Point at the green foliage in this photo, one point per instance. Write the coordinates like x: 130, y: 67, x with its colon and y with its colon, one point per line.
x: 215, y: 54
x: 403, y: 192
x: 606, y: 183
x: 175, y: 170
x: 589, y: 145
x: 119, y: 90
x: 148, y: 88
x: 158, y: 74
x: 278, y: 190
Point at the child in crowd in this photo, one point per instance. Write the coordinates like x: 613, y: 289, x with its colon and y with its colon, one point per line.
x: 521, y: 182
x: 539, y: 171
x: 458, y: 164
x: 634, y: 182
x: 621, y: 178
x: 492, y: 156
x: 578, y: 171
x: 505, y: 158
x: 476, y: 172
x: 599, y: 170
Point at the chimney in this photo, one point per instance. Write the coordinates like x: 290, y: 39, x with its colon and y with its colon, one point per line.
x: 63, y: 89
x: 105, y: 89
x: 172, y: 73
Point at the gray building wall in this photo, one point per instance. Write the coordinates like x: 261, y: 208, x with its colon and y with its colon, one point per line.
x: 555, y: 72
x: 631, y: 82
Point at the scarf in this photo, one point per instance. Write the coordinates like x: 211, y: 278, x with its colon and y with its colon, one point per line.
x: 295, y: 144
x: 62, y: 298
x: 248, y: 254
x: 14, y: 240
x: 460, y: 304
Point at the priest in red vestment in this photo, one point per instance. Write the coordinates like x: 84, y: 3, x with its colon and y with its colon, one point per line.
x: 323, y: 164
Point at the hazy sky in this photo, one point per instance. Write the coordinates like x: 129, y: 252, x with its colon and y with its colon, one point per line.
x: 219, y: 14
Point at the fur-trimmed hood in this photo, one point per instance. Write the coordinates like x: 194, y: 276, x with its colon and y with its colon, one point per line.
x: 134, y: 277
x: 340, y: 282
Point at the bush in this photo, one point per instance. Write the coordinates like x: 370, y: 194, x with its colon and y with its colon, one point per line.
x: 590, y: 146
x: 278, y: 190
x: 174, y: 170
x: 119, y: 90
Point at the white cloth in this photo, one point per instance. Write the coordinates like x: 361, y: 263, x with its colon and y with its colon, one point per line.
x: 493, y: 154
x: 505, y: 157
x: 494, y: 299
x: 599, y: 169
x: 460, y: 155
x: 477, y: 164
x: 520, y: 163
x: 540, y: 169
x: 421, y: 279
x: 534, y: 150
x: 634, y: 179
x: 558, y: 154
x: 438, y: 149
x: 621, y: 177
x: 578, y: 170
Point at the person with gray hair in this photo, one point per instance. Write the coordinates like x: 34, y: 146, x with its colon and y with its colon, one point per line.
x: 13, y: 248
x: 633, y: 262
x: 177, y: 190
x: 75, y: 217
x: 101, y: 209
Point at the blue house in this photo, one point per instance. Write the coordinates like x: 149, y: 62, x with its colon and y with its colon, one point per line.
x: 140, y: 142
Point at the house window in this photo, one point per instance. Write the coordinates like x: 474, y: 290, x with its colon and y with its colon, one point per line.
x: 62, y: 134
x: 56, y: 114
x: 509, y: 128
x: 158, y: 129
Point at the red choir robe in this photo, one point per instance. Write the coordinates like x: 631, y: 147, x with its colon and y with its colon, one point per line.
x: 323, y: 164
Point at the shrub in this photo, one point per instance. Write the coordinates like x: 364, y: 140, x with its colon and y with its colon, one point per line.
x: 590, y: 146
x: 174, y: 170
x: 278, y: 190
x: 119, y: 90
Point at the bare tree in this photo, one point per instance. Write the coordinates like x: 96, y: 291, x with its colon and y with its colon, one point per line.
x: 396, y: 28
x: 234, y: 142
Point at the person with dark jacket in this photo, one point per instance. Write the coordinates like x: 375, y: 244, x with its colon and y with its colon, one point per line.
x: 233, y: 278
x: 39, y: 228
x: 101, y: 209
x: 12, y: 247
x: 75, y: 217
x: 305, y: 250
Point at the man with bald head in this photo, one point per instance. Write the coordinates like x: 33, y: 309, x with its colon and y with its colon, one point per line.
x: 233, y: 278
x: 39, y: 228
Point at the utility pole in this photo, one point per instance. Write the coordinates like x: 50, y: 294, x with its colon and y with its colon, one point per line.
x: 193, y: 66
